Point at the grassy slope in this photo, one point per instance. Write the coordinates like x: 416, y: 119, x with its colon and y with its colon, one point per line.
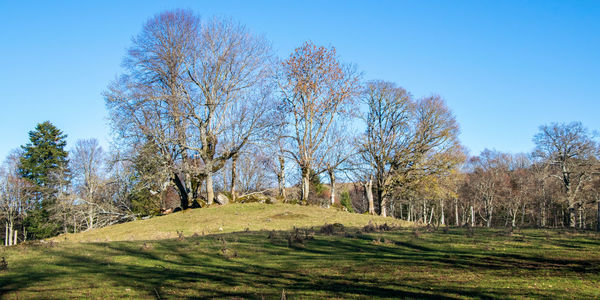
x: 394, y: 264
x: 224, y: 219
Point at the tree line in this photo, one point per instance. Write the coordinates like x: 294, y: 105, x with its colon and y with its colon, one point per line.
x: 204, y: 112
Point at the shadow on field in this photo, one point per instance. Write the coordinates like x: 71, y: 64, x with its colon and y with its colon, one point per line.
x: 257, y: 265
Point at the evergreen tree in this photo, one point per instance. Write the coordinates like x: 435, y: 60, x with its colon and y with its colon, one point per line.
x: 44, y: 162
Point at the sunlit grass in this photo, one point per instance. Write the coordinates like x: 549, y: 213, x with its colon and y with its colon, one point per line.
x: 307, y: 264
x: 224, y: 219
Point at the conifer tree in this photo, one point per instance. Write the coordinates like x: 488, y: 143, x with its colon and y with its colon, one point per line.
x: 44, y: 163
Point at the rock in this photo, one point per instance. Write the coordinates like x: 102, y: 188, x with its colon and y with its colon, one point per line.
x: 222, y: 199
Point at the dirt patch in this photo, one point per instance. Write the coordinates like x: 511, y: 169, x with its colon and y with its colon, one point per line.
x: 288, y: 215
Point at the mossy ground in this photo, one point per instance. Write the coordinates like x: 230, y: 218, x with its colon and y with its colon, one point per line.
x: 353, y: 263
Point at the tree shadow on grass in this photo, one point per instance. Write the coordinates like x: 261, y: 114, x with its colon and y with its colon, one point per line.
x: 327, y: 266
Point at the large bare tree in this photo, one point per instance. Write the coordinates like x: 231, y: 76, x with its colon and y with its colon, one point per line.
x: 187, y: 83
x: 570, y: 153
x: 317, y: 89
x: 405, y: 139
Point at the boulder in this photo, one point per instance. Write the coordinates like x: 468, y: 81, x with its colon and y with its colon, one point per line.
x: 222, y: 199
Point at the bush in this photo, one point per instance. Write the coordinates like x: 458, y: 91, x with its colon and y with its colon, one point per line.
x: 3, y: 264
x: 332, y: 229
x: 144, y: 203
x: 39, y: 226
x: 345, y: 201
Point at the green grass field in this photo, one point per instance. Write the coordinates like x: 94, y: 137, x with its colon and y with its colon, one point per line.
x: 349, y: 262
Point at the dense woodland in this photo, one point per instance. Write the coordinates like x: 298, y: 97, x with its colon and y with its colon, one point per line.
x: 204, y: 113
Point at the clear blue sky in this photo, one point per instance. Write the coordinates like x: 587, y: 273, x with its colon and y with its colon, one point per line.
x: 504, y: 67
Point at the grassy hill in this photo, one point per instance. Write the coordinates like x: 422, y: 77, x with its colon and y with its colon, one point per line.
x: 225, y: 219
x: 333, y: 262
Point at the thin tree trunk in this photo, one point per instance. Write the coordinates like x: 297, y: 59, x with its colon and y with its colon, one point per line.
x: 281, y: 178
x: 598, y: 217
x: 424, y: 217
x: 472, y: 216
x: 6, y: 234
x: 332, y: 181
x: 572, y: 218
x: 580, y: 213
x: 430, y: 216
x: 210, y: 193
x: 381, y: 197
x: 456, y: 212
x: 233, y: 177
x: 523, y: 214
x: 442, y: 221
x: 369, y: 193
x: 10, y: 234
x: 544, y: 213
x: 15, y: 235
x: 514, y: 218
x: 401, y: 212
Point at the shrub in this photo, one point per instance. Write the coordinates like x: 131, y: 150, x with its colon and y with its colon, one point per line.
x: 345, y: 201
x: 331, y: 229
x: 3, y: 264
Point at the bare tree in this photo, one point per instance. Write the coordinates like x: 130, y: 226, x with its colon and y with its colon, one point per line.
x: 87, y: 163
x: 406, y: 140
x: 14, y: 197
x: 487, y: 178
x: 388, y: 121
x: 337, y: 151
x: 187, y: 84
x: 316, y: 90
x: 571, y: 153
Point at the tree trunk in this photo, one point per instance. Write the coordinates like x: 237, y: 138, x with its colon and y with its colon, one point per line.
x: 233, y: 176
x: 188, y: 190
x: 489, y: 217
x: 210, y: 193
x: 10, y: 234
x: 332, y: 181
x: 401, y: 211
x: 281, y: 178
x: 305, y: 185
x: 6, y: 234
x: 15, y: 236
x: 442, y: 221
x: 472, y: 216
x: 523, y: 214
x: 431, y: 215
x: 580, y: 213
x: 369, y: 194
x: 456, y: 212
x: 183, y: 195
x: 514, y: 219
x: 543, y: 223
x: 571, y: 208
x: 381, y: 197
x: 598, y: 217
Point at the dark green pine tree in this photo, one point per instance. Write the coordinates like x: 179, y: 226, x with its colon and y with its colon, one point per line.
x: 44, y: 162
